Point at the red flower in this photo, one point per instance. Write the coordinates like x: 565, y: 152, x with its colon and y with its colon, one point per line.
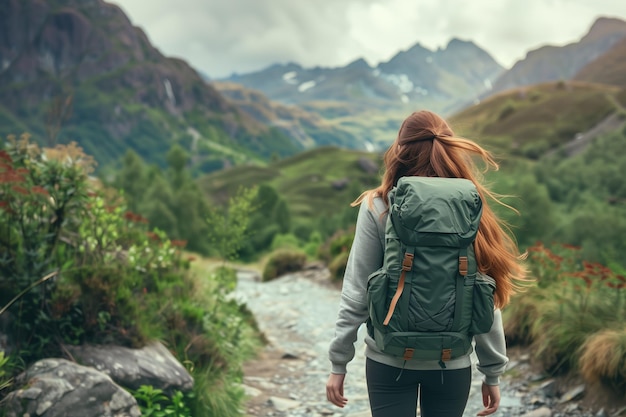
x: 37, y: 189
x: 19, y: 189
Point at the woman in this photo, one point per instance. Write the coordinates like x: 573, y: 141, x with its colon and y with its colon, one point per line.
x: 425, y: 146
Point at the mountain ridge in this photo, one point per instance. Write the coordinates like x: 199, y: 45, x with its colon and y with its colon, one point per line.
x: 125, y: 93
x: 447, y: 76
x: 553, y: 63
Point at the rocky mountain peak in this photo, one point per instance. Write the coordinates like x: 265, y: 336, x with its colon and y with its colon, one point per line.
x: 605, y: 26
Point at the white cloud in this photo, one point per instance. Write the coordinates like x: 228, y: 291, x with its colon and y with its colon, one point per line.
x: 221, y: 37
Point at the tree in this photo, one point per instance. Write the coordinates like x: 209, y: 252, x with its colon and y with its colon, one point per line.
x: 132, y: 179
x: 228, y: 226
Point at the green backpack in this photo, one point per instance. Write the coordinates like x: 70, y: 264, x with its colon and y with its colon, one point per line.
x: 427, y: 301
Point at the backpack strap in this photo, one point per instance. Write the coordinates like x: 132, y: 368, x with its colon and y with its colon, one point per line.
x: 460, y: 283
x: 407, y: 265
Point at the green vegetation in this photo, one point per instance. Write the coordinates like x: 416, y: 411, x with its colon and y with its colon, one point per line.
x: 76, y: 266
x: 572, y: 318
x: 529, y: 121
x: 153, y: 402
x: 282, y: 262
x: 316, y: 186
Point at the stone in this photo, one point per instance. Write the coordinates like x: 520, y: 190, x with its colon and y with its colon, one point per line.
x: 573, y: 394
x: 58, y: 387
x: 340, y: 184
x: 251, y: 391
x: 548, y: 388
x: 539, y: 412
x: 368, y: 166
x: 361, y: 414
x: 152, y: 365
x: 283, y: 404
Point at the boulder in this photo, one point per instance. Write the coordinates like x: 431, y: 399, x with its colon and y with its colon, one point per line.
x: 152, y: 365
x: 368, y: 166
x: 58, y: 387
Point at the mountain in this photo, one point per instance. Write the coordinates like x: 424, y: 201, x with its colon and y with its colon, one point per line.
x: 309, y: 128
x: 553, y: 63
x: 608, y: 68
x: 83, y: 63
x: 445, y: 78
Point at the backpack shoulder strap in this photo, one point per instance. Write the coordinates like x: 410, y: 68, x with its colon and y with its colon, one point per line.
x: 407, y: 265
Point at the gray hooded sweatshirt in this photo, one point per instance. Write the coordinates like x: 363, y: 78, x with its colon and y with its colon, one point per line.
x: 366, y: 256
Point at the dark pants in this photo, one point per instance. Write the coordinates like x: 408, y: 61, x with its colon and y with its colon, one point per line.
x: 443, y: 393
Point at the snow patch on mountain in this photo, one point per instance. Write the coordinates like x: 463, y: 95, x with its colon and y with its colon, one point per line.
x: 307, y: 85
x: 290, y: 77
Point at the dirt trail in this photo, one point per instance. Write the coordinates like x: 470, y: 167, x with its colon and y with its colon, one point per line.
x: 297, y: 314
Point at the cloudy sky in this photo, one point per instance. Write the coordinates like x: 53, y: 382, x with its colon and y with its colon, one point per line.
x: 219, y: 37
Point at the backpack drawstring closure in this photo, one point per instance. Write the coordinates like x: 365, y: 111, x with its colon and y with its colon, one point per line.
x: 401, y: 371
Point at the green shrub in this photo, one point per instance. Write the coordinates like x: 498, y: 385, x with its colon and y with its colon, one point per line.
x: 507, y: 110
x: 283, y: 261
x: 312, y: 247
x: 338, y: 266
x: 285, y: 241
x: 573, y: 302
x: 340, y: 241
x: 78, y: 267
x: 154, y: 402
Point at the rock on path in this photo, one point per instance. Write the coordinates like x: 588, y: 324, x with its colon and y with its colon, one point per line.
x: 297, y: 313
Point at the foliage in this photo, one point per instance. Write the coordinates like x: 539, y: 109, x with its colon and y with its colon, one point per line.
x: 313, y: 244
x: 285, y: 241
x: 269, y: 218
x: 169, y: 199
x: 5, y: 375
x: 337, y: 266
x: 305, y: 183
x: 574, y: 302
x: 283, y: 261
x: 339, y: 242
x: 229, y: 227
x: 107, y: 275
x: 153, y: 402
x: 41, y: 195
x: 588, y: 198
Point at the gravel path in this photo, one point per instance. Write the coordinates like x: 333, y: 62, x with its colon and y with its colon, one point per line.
x: 297, y: 314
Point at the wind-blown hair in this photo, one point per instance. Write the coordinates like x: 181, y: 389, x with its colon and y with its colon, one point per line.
x: 426, y: 146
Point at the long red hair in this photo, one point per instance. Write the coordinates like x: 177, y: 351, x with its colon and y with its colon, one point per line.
x: 426, y: 146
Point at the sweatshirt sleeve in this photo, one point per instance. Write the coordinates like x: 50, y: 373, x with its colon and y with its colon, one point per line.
x: 365, y: 257
x: 491, y: 351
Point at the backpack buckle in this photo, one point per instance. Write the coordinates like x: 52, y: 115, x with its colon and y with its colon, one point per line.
x: 408, y: 354
x: 407, y: 262
x: 463, y: 265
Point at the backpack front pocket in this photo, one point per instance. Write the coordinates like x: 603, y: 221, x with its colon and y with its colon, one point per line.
x: 377, y: 287
x: 482, y: 305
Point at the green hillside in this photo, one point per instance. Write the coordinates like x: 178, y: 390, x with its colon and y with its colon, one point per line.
x: 530, y: 121
x: 315, y: 184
